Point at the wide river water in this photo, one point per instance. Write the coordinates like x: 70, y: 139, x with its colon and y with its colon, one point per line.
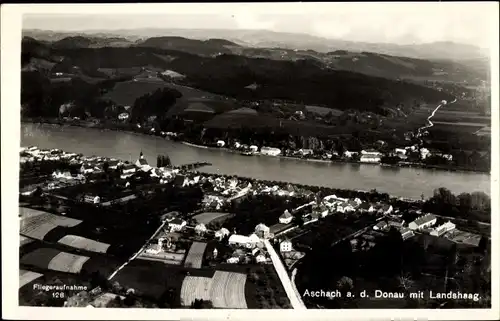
x: 398, y: 181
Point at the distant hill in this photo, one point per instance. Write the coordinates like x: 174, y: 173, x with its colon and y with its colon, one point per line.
x: 91, y: 42
x: 271, y: 39
x: 307, y: 80
x: 370, y: 62
x: 208, y: 47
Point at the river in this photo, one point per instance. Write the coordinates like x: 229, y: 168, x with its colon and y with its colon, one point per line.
x: 398, y: 181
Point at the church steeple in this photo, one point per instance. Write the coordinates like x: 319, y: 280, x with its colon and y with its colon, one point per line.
x: 141, y: 156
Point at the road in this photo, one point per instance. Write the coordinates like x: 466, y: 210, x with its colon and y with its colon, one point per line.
x: 138, y: 252
x: 290, y: 289
x: 430, y: 124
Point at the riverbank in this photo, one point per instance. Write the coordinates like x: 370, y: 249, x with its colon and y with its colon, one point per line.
x: 140, y: 131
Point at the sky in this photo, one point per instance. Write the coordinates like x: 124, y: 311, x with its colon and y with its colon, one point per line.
x: 400, y: 23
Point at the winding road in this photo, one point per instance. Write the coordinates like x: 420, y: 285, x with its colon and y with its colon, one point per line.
x: 429, y: 122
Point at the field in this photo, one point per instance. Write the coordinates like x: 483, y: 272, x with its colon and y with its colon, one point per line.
x: 322, y: 111
x: 194, y: 258
x: 208, y: 217
x: 40, y: 257
x: 26, y: 277
x: 84, y: 243
x: 125, y: 93
x: 36, y: 224
x: 224, y: 290
x: 23, y: 240
x: 463, y: 237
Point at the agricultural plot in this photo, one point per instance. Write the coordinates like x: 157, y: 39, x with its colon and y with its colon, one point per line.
x: 52, y: 259
x: 26, y: 277
x: 322, y: 111
x: 194, y: 258
x: 208, y: 217
x: 224, y: 290
x: 462, y: 237
x: 24, y: 240
x: 152, y: 279
x: 36, y: 224
x: 84, y: 243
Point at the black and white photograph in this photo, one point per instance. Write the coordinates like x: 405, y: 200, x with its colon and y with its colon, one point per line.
x: 328, y: 157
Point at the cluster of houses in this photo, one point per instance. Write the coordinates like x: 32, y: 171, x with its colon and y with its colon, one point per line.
x: 247, y: 247
x: 423, y: 224
x: 33, y: 153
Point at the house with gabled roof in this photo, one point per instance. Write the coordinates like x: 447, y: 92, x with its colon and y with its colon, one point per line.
x: 422, y: 222
x: 286, y: 217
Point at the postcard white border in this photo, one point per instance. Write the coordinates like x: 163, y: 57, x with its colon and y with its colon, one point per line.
x: 11, y: 22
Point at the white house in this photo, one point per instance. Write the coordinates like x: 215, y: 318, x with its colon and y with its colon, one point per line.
x: 386, y: 209
x: 441, y: 229
x: 271, y: 151
x: 406, y: 233
x: 380, y: 225
x: 286, y: 217
x: 233, y: 260
x: 200, y: 229
x: 221, y: 143
x: 305, y: 152
x: 261, y: 258
x: 91, y: 199
x: 237, y: 145
x: 400, y: 151
x: 286, y: 246
x: 176, y: 225
x: 243, y: 241
x: 423, y: 222
x: 366, y: 208
x: 349, y: 154
x: 370, y: 156
x: 87, y: 169
x: 123, y: 116
x: 129, y: 169
x: 261, y: 230
x: 424, y: 153
x: 220, y: 234
x: 253, y: 148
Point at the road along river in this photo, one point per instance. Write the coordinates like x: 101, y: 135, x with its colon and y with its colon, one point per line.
x: 397, y: 181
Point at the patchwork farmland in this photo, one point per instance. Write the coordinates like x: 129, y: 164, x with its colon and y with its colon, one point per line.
x: 36, y: 224
x: 84, y: 243
x: 208, y: 217
x: 224, y: 290
x: 194, y: 258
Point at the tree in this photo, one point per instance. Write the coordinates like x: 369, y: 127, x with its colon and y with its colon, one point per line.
x: 345, y: 284
x: 201, y: 304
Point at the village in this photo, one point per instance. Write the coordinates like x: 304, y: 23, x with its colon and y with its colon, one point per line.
x: 222, y: 232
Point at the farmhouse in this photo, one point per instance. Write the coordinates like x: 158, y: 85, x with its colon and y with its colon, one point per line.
x: 93, y: 199
x: 200, y: 229
x: 123, y: 116
x: 129, y: 169
x: 406, y: 233
x: 262, y: 230
x: 386, y: 209
x: 380, y: 225
x: 422, y: 222
x: 220, y: 234
x: 441, y: 229
x: 370, y: 157
x: 286, y: 217
x: 271, y: 151
x: 244, y: 241
x: 87, y: 169
x: 286, y: 246
x: 366, y: 208
x: 176, y: 224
